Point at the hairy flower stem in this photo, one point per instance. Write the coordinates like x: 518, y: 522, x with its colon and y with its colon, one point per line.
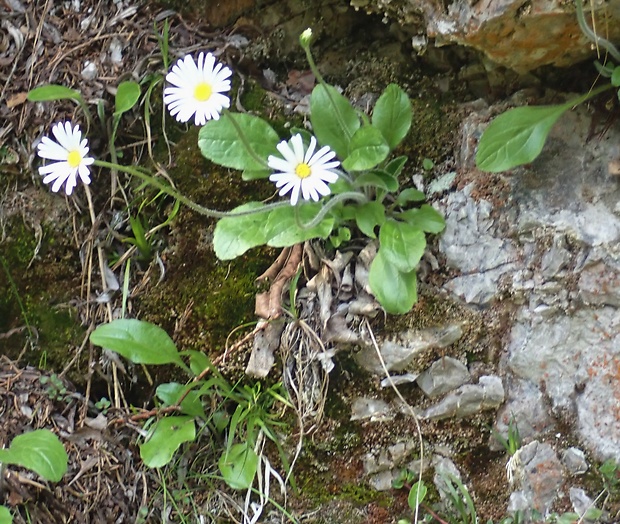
x: 183, y: 199
x: 329, y: 205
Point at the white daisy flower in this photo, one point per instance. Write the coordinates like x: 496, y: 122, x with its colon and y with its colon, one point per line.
x: 304, y: 171
x: 197, y: 89
x: 69, y: 153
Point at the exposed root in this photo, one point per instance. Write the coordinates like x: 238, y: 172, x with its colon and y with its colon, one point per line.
x: 269, y: 304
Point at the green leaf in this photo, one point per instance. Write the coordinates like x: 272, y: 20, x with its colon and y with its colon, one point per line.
x: 220, y: 142
x: 392, y: 115
x: 255, y: 174
x: 171, y: 392
x: 368, y: 216
x: 39, y: 451
x: 343, y: 234
x: 517, y: 136
x: 401, y: 245
x: 396, y: 291
x: 238, y: 466
x: 409, y: 195
x: 167, y: 436
x: 5, y: 515
x: 427, y: 164
x: 366, y: 150
x: 416, y: 494
x: 138, y: 341
x: 127, y: 95
x: 198, y: 361
x: 334, y: 121
x: 279, y: 227
x: 51, y: 92
x: 395, y: 166
x: 615, y: 77
x: 283, y: 229
x: 233, y: 236
x: 568, y: 518
x: 377, y: 178
x: 426, y: 218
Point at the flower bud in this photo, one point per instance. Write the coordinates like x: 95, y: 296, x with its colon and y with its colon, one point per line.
x: 305, y: 38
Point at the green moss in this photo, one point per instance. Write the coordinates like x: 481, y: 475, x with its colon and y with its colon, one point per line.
x: 32, y: 299
x: 254, y: 97
x: 433, y: 131
x: 211, y: 297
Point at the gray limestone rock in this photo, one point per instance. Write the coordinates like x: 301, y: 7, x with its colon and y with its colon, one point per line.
x: 371, y: 408
x: 574, y: 461
x: 551, y: 248
x: 404, y: 349
x: 581, y: 502
x: 541, y: 475
x: 468, y: 399
x: 444, y: 375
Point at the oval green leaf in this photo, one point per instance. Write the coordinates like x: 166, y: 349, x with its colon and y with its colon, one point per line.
x: 417, y: 494
x: 395, y: 166
x: 367, y: 149
x: 615, y: 77
x: 334, y: 120
x: 238, y: 466
x: 127, y: 95
x: 51, y: 92
x: 233, y: 235
x: 167, y: 436
x: 278, y: 227
x: 392, y: 115
x: 198, y: 361
x: 378, y: 179
x: 401, y: 244
x: 238, y: 141
x: 171, y: 392
x: 282, y: 228
x: 39, y: 451
x: 409, y: 195
x: 368, y: 216
x: 138, y: 341
x: 517, y: 136
x: 426, y: 218
x: 396, y: 291
x: 5, y: 515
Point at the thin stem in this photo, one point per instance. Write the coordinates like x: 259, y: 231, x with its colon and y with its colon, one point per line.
x: 244, y: 140
x: 183, y: 199
x: 89, y: 117
x: 599, y: 40
x: 321, y: 80
x: 330, y: 204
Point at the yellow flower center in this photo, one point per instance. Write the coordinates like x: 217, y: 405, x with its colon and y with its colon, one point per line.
x: 302, y: 170
x: 203, y: 91
x: 74, y: 158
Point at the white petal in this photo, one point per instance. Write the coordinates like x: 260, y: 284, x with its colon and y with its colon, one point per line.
x: 279, y: 164
x: 306, y: 186
x: 321, y: 187
x: 288, y: 154
x: 298, y: 148
x: 308, y: 156
x: 51, y: 150
x: 295, y: 194
x: 327, y: 176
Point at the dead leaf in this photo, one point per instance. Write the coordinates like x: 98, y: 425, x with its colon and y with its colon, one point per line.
x: 16, y: 100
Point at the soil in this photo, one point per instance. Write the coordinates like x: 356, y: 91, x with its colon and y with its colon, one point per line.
x: 51, y: 295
